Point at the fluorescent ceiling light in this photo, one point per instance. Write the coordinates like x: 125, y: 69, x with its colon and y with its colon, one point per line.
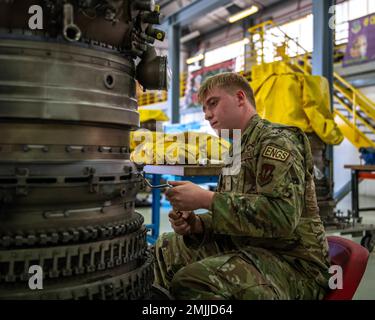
x: 190, y: 36
x: 243, y: 14
x: 195, y: 59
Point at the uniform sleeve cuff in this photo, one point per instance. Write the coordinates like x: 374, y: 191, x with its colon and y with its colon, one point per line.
x: 196, y: 241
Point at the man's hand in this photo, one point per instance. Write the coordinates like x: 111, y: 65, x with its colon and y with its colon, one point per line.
x: 187, y: 196
x: 185, y: 222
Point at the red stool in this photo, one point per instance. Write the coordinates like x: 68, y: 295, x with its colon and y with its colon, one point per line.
x: 353, y: 258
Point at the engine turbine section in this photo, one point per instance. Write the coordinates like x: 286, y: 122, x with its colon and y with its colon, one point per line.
x: 67, y: 186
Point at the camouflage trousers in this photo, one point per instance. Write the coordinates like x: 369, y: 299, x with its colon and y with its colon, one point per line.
x: 218, y: 272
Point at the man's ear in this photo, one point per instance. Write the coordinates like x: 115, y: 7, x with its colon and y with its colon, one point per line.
x: 241, y: 97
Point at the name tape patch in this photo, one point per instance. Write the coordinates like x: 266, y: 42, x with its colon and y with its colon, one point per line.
x: 275, y: 153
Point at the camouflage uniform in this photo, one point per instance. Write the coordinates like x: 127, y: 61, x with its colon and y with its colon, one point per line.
x: 263, y: 238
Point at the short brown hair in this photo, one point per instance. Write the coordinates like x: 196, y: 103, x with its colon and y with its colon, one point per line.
x: 228, y: 81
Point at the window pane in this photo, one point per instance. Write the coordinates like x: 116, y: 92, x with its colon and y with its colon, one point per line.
x: 231, y: 51
x: 371, y: 6
x: 306, y: 33
x: 342, y: 12
x: 357, y: 8
x: 342, y: 33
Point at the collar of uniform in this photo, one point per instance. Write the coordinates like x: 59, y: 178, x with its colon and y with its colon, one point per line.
x: 250, y: 127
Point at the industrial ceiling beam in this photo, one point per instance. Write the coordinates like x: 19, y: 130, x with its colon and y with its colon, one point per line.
x: 264, y: 12
x: 192, y: 12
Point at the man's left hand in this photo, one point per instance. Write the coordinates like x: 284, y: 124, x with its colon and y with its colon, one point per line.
x: 186, y: 196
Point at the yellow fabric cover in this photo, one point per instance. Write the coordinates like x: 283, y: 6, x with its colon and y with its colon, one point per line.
x: 157, y: 115
x: 286, y: 96
x: 179, y: 148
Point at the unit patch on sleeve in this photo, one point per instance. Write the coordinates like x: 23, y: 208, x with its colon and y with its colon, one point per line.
x: 275, y: 153
x: 265, y: 175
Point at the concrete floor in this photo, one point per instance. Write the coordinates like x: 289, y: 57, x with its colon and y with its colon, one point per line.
x: 366, y: 289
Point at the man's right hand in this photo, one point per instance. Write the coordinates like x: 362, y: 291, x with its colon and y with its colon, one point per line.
x: 185, y: 222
